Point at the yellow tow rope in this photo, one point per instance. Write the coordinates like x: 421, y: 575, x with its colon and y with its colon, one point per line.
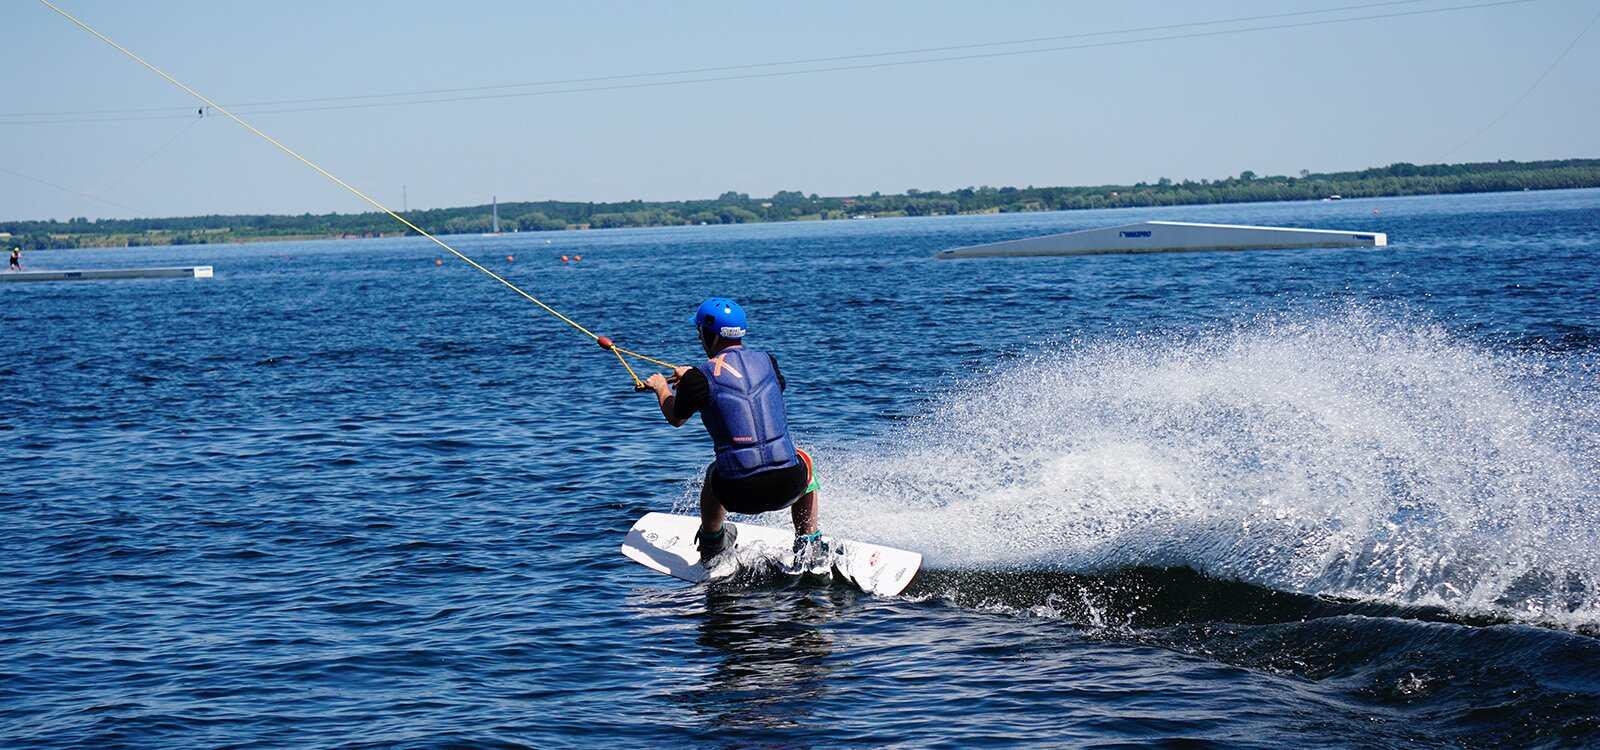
x: 605, y: 343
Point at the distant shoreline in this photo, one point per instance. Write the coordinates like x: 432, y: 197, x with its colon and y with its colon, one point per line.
x: 738, y: 208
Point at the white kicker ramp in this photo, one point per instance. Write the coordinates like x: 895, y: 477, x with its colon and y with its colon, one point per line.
x: 665, y: 543
x: 1170, y: 236
x: 185, y: 272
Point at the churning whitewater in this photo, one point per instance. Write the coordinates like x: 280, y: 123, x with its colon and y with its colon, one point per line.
x: 1354, y: 454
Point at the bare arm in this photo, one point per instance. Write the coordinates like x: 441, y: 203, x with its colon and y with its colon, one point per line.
x: 664, y: 395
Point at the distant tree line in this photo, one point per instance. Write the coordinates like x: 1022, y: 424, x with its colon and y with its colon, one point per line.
x: 793, y: 205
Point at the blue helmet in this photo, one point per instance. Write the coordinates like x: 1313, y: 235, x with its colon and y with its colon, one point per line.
x: 721, y: 316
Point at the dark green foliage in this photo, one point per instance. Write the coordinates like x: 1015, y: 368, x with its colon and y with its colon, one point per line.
x: 788, y: 205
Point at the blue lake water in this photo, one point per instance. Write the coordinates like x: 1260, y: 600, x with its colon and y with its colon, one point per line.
x: 341, y: 496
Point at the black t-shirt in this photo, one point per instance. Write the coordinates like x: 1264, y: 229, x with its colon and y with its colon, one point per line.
x: 693, y: 391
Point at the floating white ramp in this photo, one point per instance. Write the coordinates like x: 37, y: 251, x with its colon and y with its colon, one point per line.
x: 185, y: 272
x: 1170, y: 236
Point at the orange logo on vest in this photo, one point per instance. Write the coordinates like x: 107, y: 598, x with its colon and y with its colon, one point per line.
x: 717, y: 364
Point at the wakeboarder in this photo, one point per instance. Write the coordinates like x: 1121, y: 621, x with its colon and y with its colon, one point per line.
x: 739, y: 395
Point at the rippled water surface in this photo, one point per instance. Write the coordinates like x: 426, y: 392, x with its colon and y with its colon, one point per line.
x: 342, y: 496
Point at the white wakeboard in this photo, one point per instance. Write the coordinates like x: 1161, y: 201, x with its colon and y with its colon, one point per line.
x: 665, y: 543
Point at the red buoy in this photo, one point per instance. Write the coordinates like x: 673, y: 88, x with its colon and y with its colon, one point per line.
x: 604, y: 342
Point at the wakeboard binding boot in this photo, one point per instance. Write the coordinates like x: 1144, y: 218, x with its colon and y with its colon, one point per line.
x: 811, y: 552
x: 712, y: 544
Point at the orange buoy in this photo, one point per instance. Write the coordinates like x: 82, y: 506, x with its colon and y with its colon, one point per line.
x: 438, y: 262
x: 563, y: 259
x: 577, y: 257
x: 510, y: 258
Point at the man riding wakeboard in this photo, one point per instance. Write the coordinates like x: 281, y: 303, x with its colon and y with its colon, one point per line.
x: 757, y: 469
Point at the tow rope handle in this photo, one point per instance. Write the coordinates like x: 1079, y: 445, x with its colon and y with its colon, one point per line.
x: 607, y: 344
x: 642, y: 388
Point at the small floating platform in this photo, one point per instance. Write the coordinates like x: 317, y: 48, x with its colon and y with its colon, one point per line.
x: 185, y: 272
x: 1169, y: 237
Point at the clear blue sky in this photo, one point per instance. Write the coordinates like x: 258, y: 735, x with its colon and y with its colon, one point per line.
x: 1321, y: 97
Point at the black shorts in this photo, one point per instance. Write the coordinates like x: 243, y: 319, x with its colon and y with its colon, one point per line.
x: 765, y: 491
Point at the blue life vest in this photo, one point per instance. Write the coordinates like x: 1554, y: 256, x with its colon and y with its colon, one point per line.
x: 745, y: 414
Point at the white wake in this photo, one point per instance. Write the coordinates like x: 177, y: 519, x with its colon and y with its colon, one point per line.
x: 1357, y: 454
